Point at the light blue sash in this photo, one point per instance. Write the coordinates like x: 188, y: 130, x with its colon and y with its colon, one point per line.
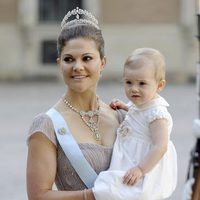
x: 71, y: 149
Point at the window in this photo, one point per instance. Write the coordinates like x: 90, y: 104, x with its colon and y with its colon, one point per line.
x: 49, y: 52
x: 54, y: 10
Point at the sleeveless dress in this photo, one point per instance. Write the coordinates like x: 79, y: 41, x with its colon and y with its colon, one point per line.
x: 98, y: 156
x: 132, y: 144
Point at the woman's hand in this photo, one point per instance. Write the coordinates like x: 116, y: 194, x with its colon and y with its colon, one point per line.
x: 132, y: 176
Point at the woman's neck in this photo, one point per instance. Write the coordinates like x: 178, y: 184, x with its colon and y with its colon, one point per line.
x: 84, y: 102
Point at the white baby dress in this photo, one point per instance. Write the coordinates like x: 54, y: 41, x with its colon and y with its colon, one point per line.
x: 133, y: 142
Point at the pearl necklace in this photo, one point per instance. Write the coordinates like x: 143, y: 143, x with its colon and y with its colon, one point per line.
x: 90, y: 122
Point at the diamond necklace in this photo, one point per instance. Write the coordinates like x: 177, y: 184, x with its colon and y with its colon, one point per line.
x: 91, y: 123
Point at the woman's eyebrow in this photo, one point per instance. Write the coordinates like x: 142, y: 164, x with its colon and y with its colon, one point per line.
x: 67, y: 54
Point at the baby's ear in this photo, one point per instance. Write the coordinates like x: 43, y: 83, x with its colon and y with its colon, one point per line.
x: 161, y: 85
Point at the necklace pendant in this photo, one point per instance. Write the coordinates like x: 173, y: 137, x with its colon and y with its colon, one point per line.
x: 91, y: 121
x: 88, y: 119
x: 90, y: 113
x: 97, y: 136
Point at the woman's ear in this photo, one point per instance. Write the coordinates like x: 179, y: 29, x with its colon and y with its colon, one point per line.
x: 59, y: 65
x: 161, y: 85
x: 103, y: 63
x: 58, y: 61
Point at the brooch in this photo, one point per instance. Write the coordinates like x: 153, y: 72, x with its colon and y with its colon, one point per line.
x: 62, y: 131
x: 124, y: 130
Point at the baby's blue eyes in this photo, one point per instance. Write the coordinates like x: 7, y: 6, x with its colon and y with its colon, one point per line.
x: 128, y: 82
x: 87, y: 58
x: 142, y: 83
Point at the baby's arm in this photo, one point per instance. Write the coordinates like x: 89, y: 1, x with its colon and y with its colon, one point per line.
x: 159, y: 133
x: 117, y: 104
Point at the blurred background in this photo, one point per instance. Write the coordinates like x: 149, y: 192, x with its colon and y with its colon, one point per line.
x: 30, y: 80
x: 29, y: 29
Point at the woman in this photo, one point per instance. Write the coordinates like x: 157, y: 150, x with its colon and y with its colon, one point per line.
x: 91, y: 122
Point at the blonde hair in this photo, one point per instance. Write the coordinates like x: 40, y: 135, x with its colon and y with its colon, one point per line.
x: 140, y: 56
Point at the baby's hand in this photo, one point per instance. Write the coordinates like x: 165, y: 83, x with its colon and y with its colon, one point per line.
x: 132, y: 176
x: 117, y: 104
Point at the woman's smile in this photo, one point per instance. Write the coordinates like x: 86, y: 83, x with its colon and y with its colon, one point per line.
x: 79, y: 77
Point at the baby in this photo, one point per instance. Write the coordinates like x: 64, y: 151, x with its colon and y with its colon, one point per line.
x: 144, y: 160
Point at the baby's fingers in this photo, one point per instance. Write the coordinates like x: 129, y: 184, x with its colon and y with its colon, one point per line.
x: 134, y: 181
x: 128, y: 178
x: 114, y: 103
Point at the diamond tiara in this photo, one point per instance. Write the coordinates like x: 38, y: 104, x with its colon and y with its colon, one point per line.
x: 88, y: 18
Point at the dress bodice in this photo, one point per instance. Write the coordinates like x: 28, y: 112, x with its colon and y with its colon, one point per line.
x: 98, y: 156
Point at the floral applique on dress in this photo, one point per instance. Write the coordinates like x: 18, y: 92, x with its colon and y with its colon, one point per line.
x: 124, y: 130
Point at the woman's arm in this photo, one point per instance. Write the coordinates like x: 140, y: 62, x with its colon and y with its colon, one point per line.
x: 159, y: 135
x: 41, y: 172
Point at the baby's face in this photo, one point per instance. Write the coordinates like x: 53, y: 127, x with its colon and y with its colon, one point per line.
x: 140, y: 83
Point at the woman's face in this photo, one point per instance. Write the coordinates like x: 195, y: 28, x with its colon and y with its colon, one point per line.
x: 81, y: 64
